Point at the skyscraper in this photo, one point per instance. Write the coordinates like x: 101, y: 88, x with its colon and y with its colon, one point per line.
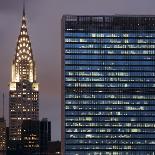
x: 108, y: 85
x: 24, y: 90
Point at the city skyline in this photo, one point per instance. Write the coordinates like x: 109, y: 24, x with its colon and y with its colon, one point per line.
x: 43, y: 18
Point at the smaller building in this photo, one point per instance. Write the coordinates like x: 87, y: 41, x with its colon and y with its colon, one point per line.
x: 45, y: 135
x: 2, y: 134
x: 54, y: 148
x: 36, y: 136
x: 31, y: 137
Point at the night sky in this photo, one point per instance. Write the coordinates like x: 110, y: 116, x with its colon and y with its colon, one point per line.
x: 44, y: 19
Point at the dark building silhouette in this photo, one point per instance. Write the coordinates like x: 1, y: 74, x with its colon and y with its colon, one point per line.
x: 45, y: 135
x: 54, y: 148
x: 108, y: 85
x: 7, y: 140
x: 31, y: 137
x: 36, y: 136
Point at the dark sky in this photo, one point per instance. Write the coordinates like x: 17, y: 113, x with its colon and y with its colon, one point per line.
x: 44, y: 19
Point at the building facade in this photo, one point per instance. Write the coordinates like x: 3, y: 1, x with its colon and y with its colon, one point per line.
x: 24, y: 91
x: 2, y: 135
x: 108, y: 85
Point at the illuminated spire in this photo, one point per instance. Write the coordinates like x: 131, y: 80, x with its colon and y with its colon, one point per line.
x: 23, y: 67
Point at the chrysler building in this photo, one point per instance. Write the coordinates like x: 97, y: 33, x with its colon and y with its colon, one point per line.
x: 24, y: 90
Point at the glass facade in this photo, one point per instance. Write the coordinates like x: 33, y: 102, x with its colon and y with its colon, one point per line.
x: 109, y: 85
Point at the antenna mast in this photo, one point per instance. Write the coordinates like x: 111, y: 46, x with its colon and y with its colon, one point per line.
x: 23, y: 7
x: 3, y: 104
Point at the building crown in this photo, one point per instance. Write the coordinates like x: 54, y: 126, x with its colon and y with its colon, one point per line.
x: 23, y: 65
